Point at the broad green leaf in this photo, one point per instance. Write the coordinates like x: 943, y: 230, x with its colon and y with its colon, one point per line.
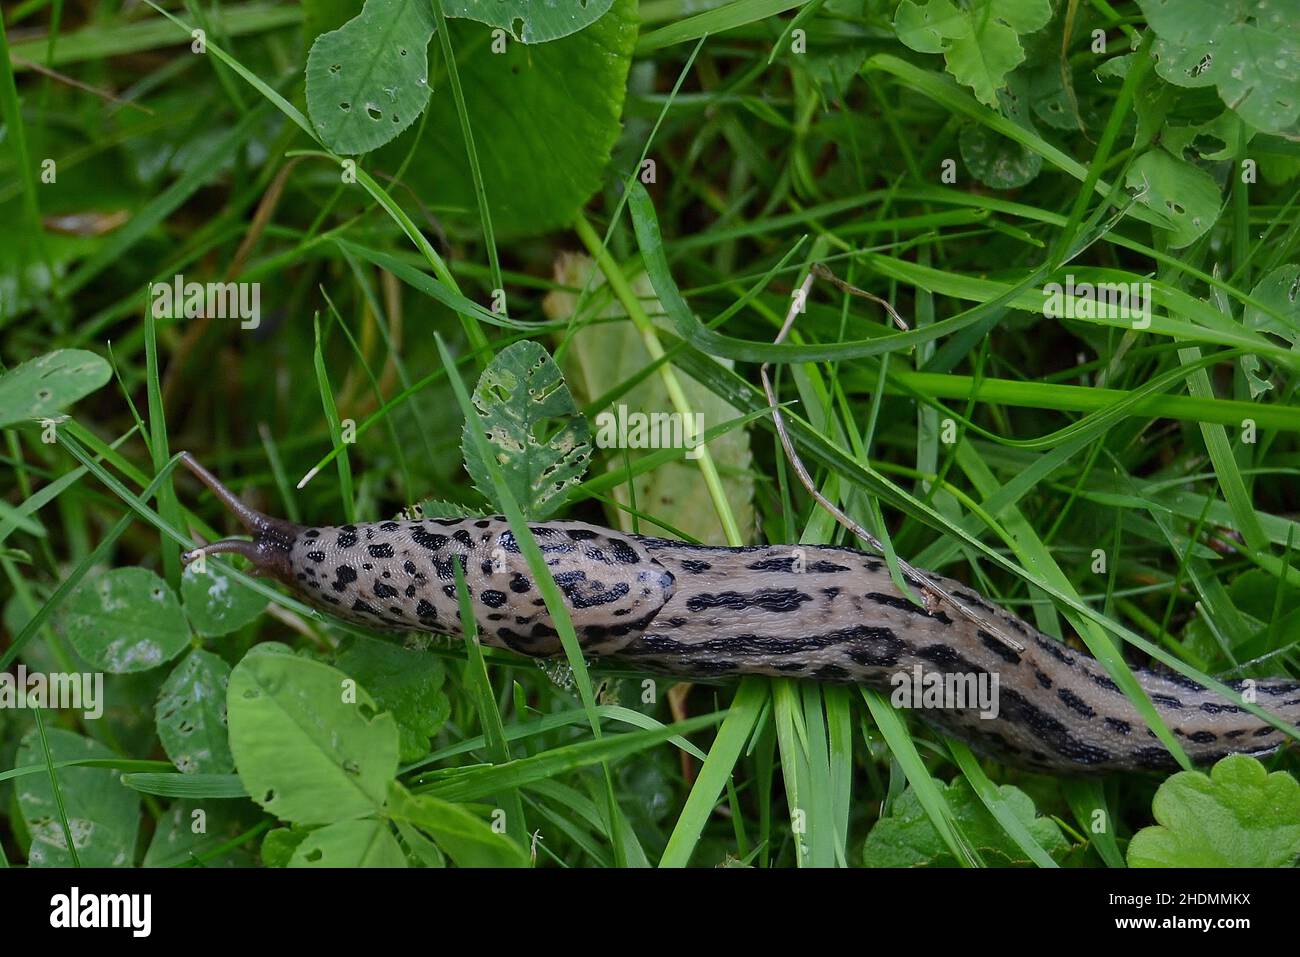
x: 544, y: 119
x: 907, y: 838
x: 1184, y: 194
x: 980, y: 44
x: 1238, y: 815
x: 215, y: 602
x: 40, y: 387
x: 103, y: 816
x: 995, y: 160
x: 307, y: 742
x: 368, y: 80
x: 191, y: 831
x: 191, y: 715
x: 926, y: 29
x: 280, y: 843
x: 127, y: 619
x: 602, y: 356
x: 365, y: 843
x: 466, y: 838
x: 1248, y: 49
x: 531, y: 21
x: 404, y: 682
x: 1279, y: 291
x: 540, y: 439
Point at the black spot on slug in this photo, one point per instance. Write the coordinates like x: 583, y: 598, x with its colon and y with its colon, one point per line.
x: 768, y: 599
x: 1075, y: 703
x: 430, y: 540
x: 1008, y: 655
x: 623, y: 552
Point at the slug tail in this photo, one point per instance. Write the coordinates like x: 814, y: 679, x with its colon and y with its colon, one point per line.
x: 272, y: 540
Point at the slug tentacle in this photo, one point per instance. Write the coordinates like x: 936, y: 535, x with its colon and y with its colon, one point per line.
x: 272, y: 537
x: 817, y: 612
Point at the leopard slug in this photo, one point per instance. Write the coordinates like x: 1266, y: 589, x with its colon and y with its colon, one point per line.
x: 824, y: 613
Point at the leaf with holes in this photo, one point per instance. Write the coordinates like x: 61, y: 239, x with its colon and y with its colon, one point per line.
x: 1238, y: 815
x: 929, y: 28
x: 1183, y: 194
x: 350, y: 844
x: 307, y: 742
x: 40, y: 387
x: 215, y: 602
x: 191, y: 715
x: 981, y: 45
x: 540, y: 439
x: 103, y: 815
x: 127, y: 619
x: 531, y: 21
x: 1249, y: 50
x: 368, y: 80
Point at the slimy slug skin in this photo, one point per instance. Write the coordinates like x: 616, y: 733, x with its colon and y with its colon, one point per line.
x: 827, y: 614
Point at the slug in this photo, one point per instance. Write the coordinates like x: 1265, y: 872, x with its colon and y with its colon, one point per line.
x: 827, y: 614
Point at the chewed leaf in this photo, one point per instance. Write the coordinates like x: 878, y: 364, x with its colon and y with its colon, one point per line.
x: 40, y: 387
x: 126, y: 620
x: 349, y: 844
x: 215, y: 602
x: 1248, y: 49
x: 1185, y: 195
x: 368, y: 80
x: 308, y: 742
x: 103, y: 815
x: 437, y: 508
x: 531, y: 21
x: 540, y: 439
x: 926, y: 28
x: 191, y: 715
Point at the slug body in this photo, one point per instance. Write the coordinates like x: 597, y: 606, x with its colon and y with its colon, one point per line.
x: 824, y: 613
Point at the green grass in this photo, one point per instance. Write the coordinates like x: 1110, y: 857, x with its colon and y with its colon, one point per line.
x: 985, y: 442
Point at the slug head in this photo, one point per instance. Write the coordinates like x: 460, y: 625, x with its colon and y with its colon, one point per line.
x: 272, y: 538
